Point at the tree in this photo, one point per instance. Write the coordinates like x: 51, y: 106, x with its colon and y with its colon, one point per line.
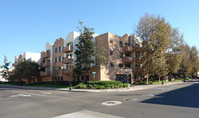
x: 27, y: 70
x: 101, y: 58
x: 84, y: 51
x: 155, y: 33
x: 6, y: 73
x: 174, y: 57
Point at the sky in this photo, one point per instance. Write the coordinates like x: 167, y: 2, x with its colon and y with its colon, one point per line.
x: 26, y: 25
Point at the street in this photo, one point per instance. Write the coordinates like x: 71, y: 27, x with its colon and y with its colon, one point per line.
x: 173, y: 101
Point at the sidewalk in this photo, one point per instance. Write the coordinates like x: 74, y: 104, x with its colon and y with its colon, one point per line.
x: 133, y: 88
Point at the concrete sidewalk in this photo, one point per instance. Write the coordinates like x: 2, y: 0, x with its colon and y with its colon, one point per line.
x: 133, y: 88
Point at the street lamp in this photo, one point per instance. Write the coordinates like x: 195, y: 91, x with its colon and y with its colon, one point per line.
x: 70, y: 88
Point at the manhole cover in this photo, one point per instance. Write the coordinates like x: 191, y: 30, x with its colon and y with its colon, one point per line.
x: 111, y: 103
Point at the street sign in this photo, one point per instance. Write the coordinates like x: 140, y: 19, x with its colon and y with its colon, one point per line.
x: 94, y: 73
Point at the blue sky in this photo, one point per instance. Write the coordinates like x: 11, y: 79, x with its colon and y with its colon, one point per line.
x: 26, y: 25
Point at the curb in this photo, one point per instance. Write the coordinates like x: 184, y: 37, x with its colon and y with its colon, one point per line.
x: 134, y: 88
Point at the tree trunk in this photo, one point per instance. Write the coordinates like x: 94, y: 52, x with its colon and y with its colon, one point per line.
x: 159, y: 78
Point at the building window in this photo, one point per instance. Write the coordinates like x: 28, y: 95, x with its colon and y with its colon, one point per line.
x: 60, y: 48
x: 111, y: 64
x: 111, y: 40
x: 111, y: 52
x: 121, y: 43
x: 57, y: 78
x: 60, y: 59
x: 128, y: 65
x: 56, y: 50
x: 121, y: 54
x: 48, y: 51
x: 120, y: 65
x: 56, y: 59
x: 61, y: 78
x: 128, y: 55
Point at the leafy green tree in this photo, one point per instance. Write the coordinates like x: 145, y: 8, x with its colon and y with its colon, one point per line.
x: 155, y: 33
x: 5, y: 68
x: 27, y: 70
x: 101, y: 58
x: 84, y: 51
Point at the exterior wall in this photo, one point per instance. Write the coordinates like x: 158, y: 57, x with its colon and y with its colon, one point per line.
x: 59, y: 43
x: 104, y: 40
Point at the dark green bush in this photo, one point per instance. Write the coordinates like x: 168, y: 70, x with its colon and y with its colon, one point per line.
x: 81, y: 86
x: 125, y: 85
x: 100, y: 87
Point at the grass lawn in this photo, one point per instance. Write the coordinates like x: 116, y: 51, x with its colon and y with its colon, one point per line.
x: 176, y: 80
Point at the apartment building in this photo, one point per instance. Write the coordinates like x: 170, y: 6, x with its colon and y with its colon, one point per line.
x: 59, y: 58
x: 27, y: 56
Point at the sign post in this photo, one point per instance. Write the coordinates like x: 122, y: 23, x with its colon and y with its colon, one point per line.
x: 128, y: 73
x: 94, y: 73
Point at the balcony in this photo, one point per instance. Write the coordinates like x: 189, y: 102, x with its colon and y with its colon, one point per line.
x: 67, y: 49
x: 128, y: 60
x: 137, y: 49
x: 128, y: 49
x: 45, y: 55
x: 67, y: 71
x: 46, y: 64
x: 67, y: 60
x: 43, y: 74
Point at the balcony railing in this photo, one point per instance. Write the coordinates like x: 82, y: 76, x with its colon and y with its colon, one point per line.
x: 128, y: 49
x: 45, y: 55
x: 67, y: 71
x: 67, y: 49
x: 43, y: 74
x: 128, y: 60
x: 46, y: 64
x: 67, y: 60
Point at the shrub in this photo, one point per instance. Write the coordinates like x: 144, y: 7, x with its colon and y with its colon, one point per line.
x: 125, y: 85
x: 81, y: 85
x: 107, y: 86
x: 100, y: 87
x: 90, y: 86
x: 150, y: 82
x: 112, y: 85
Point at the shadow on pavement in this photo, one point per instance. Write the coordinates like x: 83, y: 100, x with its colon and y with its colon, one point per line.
x: 185, y: 97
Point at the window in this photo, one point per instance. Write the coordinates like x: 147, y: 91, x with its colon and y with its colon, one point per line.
x: 121, y: 54
x: 48, y: 51
x: 128, y: 65
x: 60, y: 59
x: 56, y: 59
x: 111, y: 52
x: 128, y: 55
x: 57, y: 78
x: 61, y: 78
x: 56, y: 50
x: 120, y: 65
x: 111, y: 40
x: 60, y: 48
x: 111, y: 64
x: 121, y: 43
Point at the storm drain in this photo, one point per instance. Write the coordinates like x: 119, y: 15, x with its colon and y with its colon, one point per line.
x: 111, y: 103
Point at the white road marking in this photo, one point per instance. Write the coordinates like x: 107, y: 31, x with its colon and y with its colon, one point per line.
x: 30, y: 93
x: 22, y: 95
x: 111, y: 103
x: 47, y: 93
x: 87, y: 114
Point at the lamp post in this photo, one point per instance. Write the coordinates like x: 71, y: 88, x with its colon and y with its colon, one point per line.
x: 70, y: 88
x: 127, y: 72
x: 94, y: 73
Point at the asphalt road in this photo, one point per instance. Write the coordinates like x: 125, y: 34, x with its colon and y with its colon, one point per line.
x: 174, y: 101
